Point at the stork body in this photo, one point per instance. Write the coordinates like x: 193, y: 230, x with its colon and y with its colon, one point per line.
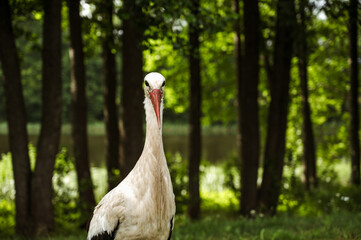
x: 142, y: 206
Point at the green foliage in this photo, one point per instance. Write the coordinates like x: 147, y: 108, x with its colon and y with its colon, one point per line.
x: 7, y: 195
x: 174, y: 66
x: 65, y: 199
x: 331, y: 196
x: 231, y: 170
x: 215, y: 194
x: 7, y: 191
x: 99, y: 176
x: 65, y: 196
x: 218, y: 74
x: 7, y: 219
x: 219, y: 202
x: 179, y: 174
x: 166, y: 25
x: 328, y: 198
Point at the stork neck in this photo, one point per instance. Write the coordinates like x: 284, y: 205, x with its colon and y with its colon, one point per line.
x: 153, y: 137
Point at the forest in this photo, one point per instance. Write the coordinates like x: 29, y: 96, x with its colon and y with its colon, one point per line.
x: 261, y: 113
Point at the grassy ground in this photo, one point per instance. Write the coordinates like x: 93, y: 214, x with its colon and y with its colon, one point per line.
x: 343, y: 225
x: 338, y: 226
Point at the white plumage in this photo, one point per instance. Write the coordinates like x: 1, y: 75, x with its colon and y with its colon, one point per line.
x: 142, y: 206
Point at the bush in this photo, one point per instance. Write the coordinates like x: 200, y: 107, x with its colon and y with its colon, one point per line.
x: 65, y: 200
x: 179, y: 175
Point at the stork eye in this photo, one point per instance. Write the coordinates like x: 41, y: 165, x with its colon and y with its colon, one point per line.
x: 163, y: 84
x: 146, y: 83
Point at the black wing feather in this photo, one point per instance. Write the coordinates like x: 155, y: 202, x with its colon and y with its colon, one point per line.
x: 171, y: 227
x: 105, y: 235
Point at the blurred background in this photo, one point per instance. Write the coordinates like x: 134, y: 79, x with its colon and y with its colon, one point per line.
x: 261, y: 109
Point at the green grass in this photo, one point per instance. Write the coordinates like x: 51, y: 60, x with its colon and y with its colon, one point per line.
x: 343, y: 225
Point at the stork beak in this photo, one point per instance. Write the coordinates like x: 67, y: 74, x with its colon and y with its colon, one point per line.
x: 156, y: 97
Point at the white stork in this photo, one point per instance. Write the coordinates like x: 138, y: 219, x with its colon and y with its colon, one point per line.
x: 142, y: 206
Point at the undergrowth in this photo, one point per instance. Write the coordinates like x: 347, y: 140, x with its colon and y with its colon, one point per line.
x: 332, y: 211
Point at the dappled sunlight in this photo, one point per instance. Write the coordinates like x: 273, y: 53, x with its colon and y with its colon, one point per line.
x: 219, y: 201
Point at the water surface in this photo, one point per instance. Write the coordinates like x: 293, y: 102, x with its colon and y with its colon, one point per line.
x: 216, y: 148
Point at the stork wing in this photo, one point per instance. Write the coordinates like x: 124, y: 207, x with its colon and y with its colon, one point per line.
x: 171, y: 227
x: 107, y: 217
x: 105, y: 235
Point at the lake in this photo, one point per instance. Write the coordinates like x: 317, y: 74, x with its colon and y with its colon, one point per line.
x: 216, y: 148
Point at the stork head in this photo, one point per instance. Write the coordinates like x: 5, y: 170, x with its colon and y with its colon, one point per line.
x: 154, y: 89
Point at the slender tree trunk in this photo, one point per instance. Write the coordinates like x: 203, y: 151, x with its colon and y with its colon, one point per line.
x: 110, y: 107
x: 239, y: 79
x: 48, y: 143
x: 15, y: 113
x: 249, y: 108
x: 277, y: 117
x: 132, y: 79
x: 194, y: 114
x: 309, y: 152
x: 354, y: 113
x: 79, y: 112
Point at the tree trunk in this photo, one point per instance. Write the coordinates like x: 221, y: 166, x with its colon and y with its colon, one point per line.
x: 354, y: 113
x: 239, y: 77
x: 132, y: 93
x: 79, y: 112
x: 249, y: 108
x: 110, y: 107
x: 309, y: 152
x: 15, y: 113
x: 48, y: 144
x: 194, y: 113
x: 277, y: 116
